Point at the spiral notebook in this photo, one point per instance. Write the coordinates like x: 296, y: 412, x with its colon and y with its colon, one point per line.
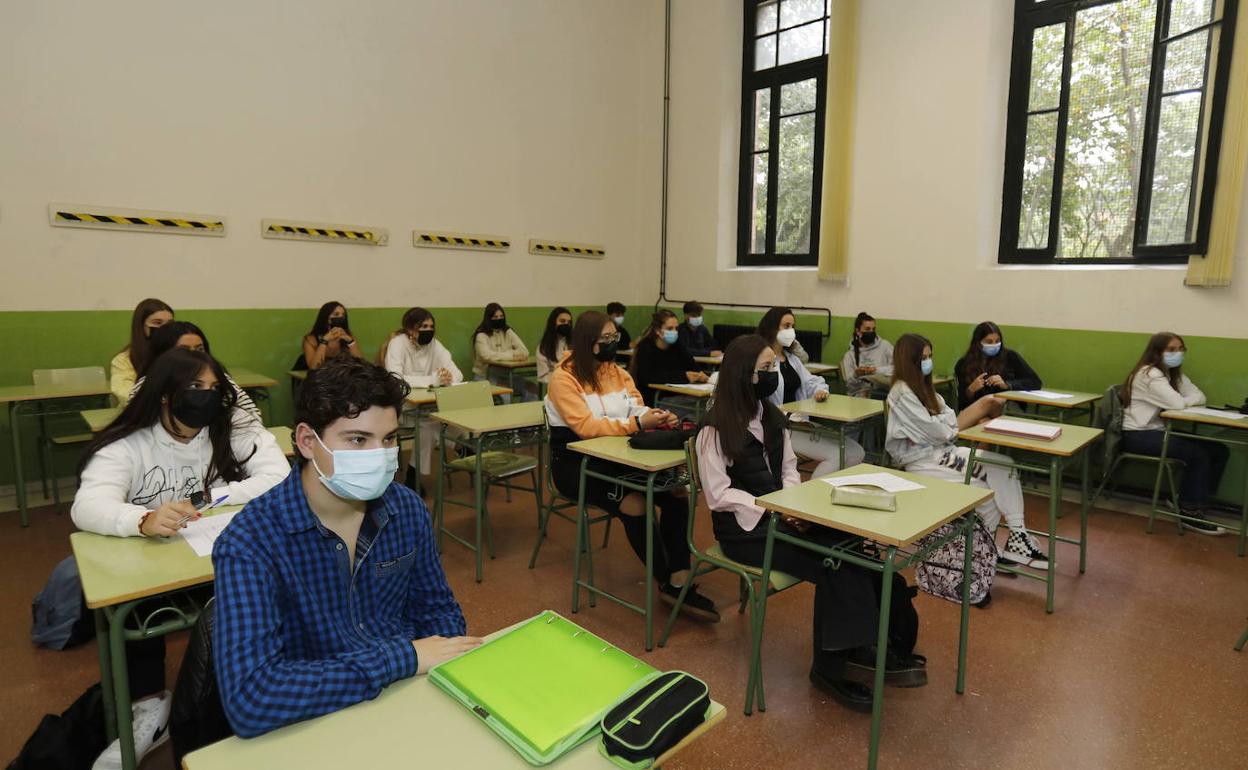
x: 543, y: 686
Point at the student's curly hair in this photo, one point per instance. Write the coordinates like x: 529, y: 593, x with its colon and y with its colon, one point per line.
x: 345, y: 387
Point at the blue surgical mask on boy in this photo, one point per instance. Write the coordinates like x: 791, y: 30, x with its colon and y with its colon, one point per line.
x: 359, y: 474
x: 990, y: 350
x: 696, y: 321
x: 1173, y: 358
x: 619, y: 320
x: 670, y: 336
x: 926, y: 366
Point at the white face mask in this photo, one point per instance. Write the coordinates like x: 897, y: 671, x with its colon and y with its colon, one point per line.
x: 359, y: 474
x: 786, y: 337
x: 619, y: 320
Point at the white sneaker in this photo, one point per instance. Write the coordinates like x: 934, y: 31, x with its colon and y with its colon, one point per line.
x: 151, y: 728
x: 1021, y: 548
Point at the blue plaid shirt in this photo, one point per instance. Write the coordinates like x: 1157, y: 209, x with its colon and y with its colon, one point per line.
x: 299, y: 632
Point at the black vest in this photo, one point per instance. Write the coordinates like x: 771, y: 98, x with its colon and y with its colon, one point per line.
x: 751, y: 472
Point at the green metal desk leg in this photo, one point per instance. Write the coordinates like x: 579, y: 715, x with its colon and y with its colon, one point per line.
x: 1242, y: 641
x: 1161, y: 465
x: 478, y: 488
x: 439, y: 493
x: 756, y: 653
x: 840, y: 437
x: 968, y: 529
x: 121, y: 683
x: 106, y: 676
x: 1243, y: 519
x: 1084, y: 505
x: 881, y: 656
x: 19, y: 482
x: 580, y: 538
x: 651, y: 519
x: 1055, y: 504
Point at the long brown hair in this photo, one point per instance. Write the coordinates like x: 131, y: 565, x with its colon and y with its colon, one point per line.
x: 975, y: 362
x: 735, y: 403
x: 1154, y: 355
x: 582, y: 362
x: 908, y: 368
x: 651, y: 333
x: 140, y: 350
x: 412, y: 319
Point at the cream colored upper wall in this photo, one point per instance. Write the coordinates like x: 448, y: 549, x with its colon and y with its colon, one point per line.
x: 925, y: 222
x: 525, y: 119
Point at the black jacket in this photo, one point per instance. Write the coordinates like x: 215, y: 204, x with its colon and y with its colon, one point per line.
x: 659, y: 367
x: 1013, y: 369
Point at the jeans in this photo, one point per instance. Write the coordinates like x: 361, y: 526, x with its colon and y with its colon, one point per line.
x: 1203, y: 462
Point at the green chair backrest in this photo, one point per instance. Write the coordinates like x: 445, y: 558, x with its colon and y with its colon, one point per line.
x: 695, y: 485
x: 469, y: 395
x: 1109, y: 419
x: 79, y: 377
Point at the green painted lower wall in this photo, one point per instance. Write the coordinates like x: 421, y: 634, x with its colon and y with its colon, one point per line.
x: 268, y: 341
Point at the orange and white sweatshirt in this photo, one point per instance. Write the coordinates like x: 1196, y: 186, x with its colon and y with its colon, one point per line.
x: 607, y: 411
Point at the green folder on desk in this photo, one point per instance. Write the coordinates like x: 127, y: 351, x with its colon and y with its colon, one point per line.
x: 543, y: 686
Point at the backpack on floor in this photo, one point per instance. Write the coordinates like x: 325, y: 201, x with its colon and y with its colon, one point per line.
x: 941, y: 573
x: 59, y: 615
x: 71, y: 741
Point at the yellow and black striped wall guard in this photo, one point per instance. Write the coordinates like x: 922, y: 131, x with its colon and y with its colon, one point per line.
x: 134, y: 220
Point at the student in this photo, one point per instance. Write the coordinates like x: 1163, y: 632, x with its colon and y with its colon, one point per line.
x: 149, y: 315
x: 1157, y: 383
x: 177, y: 445
x: 660, y: 360
x: 416, y: 355
x: 494, y: 342
x: 922, y: 430
x: 554, y: 344
x: 989, y: 367
x: 745, y: 452
x: 695, y: 338
x: 589, y: 396
x: 329, y: 587
x: 868, y: 354
x: 329, y: 338
x: 797, y: 384
x: 188, y: 336
x: 616, y: 311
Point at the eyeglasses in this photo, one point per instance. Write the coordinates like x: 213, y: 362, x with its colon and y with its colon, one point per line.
x: 608, y: 340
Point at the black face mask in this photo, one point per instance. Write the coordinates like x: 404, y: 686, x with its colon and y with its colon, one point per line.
x: 424, y: 336
x: 565, y: 330
x: 197, y: 408
x: 868, y: 338
x: 766, y: 385
x: 607, y: 352
x: 498, y: 323
x: 340, y: 323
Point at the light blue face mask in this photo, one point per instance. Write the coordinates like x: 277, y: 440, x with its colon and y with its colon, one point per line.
x: 926, y: 366
x: 1173, y: 358
x: 990, y: 350
x: 695, y: 321
x: 359, y: 474
x: 619, y: 320
x: 670, y: 336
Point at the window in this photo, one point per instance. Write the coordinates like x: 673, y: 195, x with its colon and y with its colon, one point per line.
x: 783, y: 79
x: 1114, y: 122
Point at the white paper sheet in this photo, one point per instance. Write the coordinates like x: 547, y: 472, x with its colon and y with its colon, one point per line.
x: 885, y: 481
x: 1050, y: 394
x: 203, y: 533
x: 1206, y: 411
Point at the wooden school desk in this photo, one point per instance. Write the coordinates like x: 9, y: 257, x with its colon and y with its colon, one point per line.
x: 1074, y: 403
x: 700, y: 395
x: 838, y: 414
x: 1230, y: 430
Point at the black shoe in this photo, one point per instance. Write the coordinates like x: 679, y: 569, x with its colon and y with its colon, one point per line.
x: 851, y: 695
x: 696, y: 605
x: 910, y: 671
x: 1201, y: 525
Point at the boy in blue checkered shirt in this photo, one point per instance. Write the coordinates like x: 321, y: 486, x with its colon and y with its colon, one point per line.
x: 329, y: 586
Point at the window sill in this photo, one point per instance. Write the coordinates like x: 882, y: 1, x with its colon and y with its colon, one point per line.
x: 1090, y: 268
x: 770, y: 269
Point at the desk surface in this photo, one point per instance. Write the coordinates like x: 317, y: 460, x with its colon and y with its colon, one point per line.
x: 298, y: 374
x: 1075, y: 401
x: 822, y: 369
x: 421, y: 725
x: 13, y: 393
x: 1205, y: 419
x: 494, y: 418
x: 245, y: 378
x: 705, y: 360
x: 426, y: 396
x: 837, y: 408
x: 617, y: 450
x: 1073, y: 439
x: 119, y: 569
x: 918, y: 513
x: 682, y: 390
x: 523, y: 364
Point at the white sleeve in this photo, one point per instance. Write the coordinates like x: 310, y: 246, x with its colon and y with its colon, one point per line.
x: 909, y: 419
x: 847, y: 365
x: 442, y: 360
x: 265, y: 469
x: 811, y: 383
x: 886, y: 353
x: 394, y: 355
x: 1190, y: 393
x: 1159, y: 392
x: 102, y: 504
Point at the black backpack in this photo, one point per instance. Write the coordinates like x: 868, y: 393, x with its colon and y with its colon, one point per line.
x: 71, y: 741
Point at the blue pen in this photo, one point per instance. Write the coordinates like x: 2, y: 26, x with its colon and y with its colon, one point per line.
x: 207, y: 507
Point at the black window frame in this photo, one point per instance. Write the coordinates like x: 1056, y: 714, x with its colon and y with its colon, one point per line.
x: 1030, y: 15
x: 773, y: 79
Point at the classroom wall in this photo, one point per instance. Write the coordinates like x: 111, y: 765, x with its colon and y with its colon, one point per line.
x: 517, y: 119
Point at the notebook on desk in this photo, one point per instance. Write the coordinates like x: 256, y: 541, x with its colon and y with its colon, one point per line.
x: 1039, y: 431
x: 542, y: 686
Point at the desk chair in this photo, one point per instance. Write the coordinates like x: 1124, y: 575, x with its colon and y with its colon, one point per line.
x: 559, y: 506
x: 1109, y: 419
x: 83, y: 376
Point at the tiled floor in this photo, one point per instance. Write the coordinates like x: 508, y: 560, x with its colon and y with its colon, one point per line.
x: 1135, y: 668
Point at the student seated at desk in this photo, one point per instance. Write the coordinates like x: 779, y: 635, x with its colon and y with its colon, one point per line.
x: 149, y: 315
x: 554, y: 344
x: 797, y: 384
x: 1157, y: 383
x: 989, y: 367
x: 329, y: 587
x: 616, y: 311
x: 590, y: 396
x: 868, y: 354
x: 660, y: 360
x: 188, y: 336
x: 922, y: 430
x: 494, y: 342
x: 695, y: 338
x: 416, y: 355
x: 745, y: 452
x: 329, y: 338
x: 180, y: 443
